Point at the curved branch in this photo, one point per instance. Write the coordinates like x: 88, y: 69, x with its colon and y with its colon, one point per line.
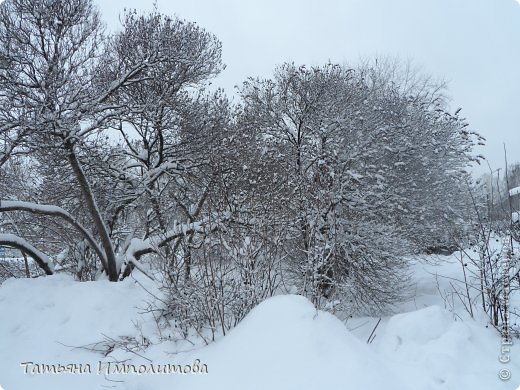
x: 19, y: 243
x: 54, y: 211
x: 139, y: 248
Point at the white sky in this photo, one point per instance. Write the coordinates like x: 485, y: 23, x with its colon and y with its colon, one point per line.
x: 473, y: 44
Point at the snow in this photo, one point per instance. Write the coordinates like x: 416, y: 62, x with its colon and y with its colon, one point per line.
x: 514, y: 191
x: 44, y: 319
x: 46, y: 209
x: 442, y: 352
x: 284, y: 343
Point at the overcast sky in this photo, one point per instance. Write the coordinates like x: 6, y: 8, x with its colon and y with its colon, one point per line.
x: 473, y: 44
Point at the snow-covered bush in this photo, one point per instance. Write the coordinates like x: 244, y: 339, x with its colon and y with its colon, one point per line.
x: 371, y: 163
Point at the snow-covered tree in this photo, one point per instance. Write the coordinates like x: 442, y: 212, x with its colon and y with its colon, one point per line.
x: 360, y: 157
x: 64, y: 85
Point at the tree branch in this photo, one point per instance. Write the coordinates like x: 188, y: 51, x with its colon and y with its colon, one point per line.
x: 19, y: 243
x: 54, y: 211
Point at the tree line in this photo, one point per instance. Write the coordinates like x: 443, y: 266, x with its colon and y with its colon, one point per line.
x: 114, y: 155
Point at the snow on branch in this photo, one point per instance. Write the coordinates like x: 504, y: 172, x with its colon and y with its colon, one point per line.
x: 138, y: 247
x: 19, y: 243
x: 514, y: 191
x: 55, y: 211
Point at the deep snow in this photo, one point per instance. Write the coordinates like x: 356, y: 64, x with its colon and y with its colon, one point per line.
x: 284, y: 343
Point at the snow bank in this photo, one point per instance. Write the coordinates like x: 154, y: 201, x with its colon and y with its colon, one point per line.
x: 284, y: 343
x: 441, y: 353
x: 43, y: 320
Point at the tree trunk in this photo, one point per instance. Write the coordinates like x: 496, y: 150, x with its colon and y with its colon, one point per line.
x: 84, y: 185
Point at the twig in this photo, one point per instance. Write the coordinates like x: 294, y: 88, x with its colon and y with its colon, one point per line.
x: 373, y: 330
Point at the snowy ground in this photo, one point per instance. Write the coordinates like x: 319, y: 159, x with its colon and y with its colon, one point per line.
x: 284, y: 343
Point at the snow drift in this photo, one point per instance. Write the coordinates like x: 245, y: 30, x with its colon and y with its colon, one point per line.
x: 284, y: 343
